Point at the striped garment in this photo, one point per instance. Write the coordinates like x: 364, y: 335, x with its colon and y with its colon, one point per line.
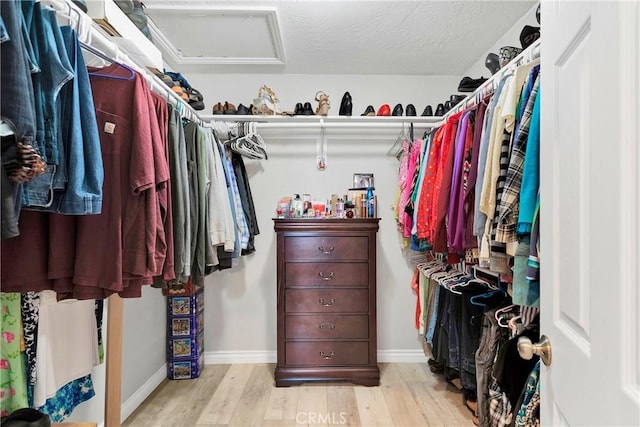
x: 507, y: 208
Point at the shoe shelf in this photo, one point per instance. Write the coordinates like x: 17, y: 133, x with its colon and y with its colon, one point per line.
x: 327, y: 121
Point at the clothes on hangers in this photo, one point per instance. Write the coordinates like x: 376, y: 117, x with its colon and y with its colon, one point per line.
x: 115, y: 150
x: 468, y: 188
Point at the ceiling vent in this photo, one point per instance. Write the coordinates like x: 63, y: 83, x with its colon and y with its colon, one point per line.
x: 209, y: 36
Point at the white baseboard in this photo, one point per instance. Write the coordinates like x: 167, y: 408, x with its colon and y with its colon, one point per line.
x: 136, y: 399
x: 228, y: 357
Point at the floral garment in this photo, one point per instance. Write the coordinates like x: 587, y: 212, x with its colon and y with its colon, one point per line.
x: 13, y: 378
x: 70, y: 395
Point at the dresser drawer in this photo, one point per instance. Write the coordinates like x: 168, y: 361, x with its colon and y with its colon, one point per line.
x: 326, y: 301
x: 326, y: 353
x: 327, y: 326
x: 326, y: 274
x: 326, y: 248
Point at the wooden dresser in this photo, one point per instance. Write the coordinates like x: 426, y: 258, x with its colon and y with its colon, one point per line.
x: 326, y: 289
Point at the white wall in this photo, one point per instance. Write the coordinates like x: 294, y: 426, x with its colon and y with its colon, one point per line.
x: 144, y: 342
x: 510, y: 38
x: 241, y: 303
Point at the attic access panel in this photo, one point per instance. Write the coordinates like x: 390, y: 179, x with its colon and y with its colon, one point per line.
x: 216, y: 35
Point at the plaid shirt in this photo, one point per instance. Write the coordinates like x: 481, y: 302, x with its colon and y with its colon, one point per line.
x: 508, y: 207
x: 500, y: 413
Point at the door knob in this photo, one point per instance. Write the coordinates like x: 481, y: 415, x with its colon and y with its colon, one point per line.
x: 527, y: 349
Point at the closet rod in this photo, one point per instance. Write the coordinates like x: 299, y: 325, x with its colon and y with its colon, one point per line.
x: 314, y: 122
x: 529, y: 54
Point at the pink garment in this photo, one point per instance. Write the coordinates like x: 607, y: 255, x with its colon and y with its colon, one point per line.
x: 402, y: 183
x: 442, y: 190
x: 425, y: 206
x: 413, y: 169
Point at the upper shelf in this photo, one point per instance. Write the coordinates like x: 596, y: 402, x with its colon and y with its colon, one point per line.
x: 326, y: 121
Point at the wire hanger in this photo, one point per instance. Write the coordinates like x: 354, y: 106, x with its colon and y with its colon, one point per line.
x: 99, y: 54
x: 398, y: 146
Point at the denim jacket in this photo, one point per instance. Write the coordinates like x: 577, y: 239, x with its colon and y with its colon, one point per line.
x: 84, y: 171
x: 56, y: 71
x: 17, y: 107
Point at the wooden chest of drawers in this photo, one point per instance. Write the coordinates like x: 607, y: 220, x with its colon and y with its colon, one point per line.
x: 326, y: 301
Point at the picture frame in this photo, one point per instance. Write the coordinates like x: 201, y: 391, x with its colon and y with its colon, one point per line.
x: 363, y: 180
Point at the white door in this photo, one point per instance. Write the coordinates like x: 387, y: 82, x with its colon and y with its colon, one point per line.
x: 590, y: 210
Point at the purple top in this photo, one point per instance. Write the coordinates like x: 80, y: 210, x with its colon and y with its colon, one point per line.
x: 456, y: 180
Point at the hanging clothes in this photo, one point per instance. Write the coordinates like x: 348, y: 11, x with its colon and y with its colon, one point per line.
x: 94, y: 155
x: 65, y: 331
x: 13, y: 392
x: 471, y: 187
x: 180, y: 196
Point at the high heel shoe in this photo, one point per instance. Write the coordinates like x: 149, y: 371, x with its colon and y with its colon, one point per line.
x: 384, y: 110
x: 397, y: 110
x: 369, y: 111
x: 346, y: 106
x: 323, y: 104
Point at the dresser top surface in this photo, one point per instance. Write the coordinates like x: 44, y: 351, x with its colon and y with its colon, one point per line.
x: 325, y: 224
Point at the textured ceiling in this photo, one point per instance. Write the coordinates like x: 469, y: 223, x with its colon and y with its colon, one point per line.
x: 331, y: 37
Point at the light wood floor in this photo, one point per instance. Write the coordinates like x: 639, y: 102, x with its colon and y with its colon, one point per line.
x: 244, y: 395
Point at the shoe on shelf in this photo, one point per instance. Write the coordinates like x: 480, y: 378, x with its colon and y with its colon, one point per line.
x: 397, y: 110
x: 229, y: 108
x: 180, y: 92
x: 299, y: 110
x: 492, y: 62
x: 428, y: 111
x: 217, y: 109
x: 384, y: 110
x: 410, y: 111
x: 440, y: 110
x: 194, y: 95
x: 243, y: 110
x: 323, y: 103
x: 467, y: 84
x: 456, y: 99
x: 197, y: 105
x: 447, y: 106
x: 266, y: 103
x: 307, y: 110
x: 168, y: 80
x: 346, y: 106
x: 369, y: 111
